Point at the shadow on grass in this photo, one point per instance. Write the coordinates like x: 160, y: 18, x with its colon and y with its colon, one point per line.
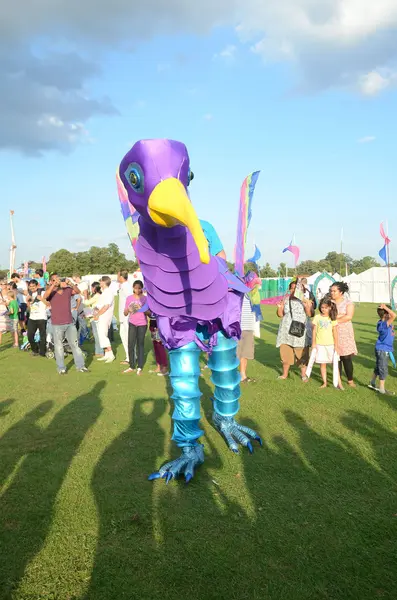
x: 33, y: 465
x: 4, y: 405
x: 306, y: 522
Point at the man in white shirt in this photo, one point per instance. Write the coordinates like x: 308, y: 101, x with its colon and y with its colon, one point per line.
x: 246, y: 346
x: 37, y: 307
x: 78, y: 306
x: 82, y: 285
x: 103, y: 316
x: 124, y: 291
x: 22, y: 292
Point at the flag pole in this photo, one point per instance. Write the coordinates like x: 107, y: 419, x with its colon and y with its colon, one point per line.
x: 341, y: 252
x: 388, y: 263
x: 13, y: 245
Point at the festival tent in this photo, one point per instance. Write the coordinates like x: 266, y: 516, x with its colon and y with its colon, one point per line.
x: 312, y: 278
x: 372, y: 285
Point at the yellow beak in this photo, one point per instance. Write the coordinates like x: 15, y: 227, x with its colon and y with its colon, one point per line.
x: 169, y: 205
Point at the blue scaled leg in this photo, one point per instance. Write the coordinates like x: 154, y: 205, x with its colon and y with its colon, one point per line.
x: 184, y: 377
x: 226, y: 378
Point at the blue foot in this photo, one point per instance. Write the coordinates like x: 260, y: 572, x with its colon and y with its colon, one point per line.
x: 234, y: 433
x: 191, y: 458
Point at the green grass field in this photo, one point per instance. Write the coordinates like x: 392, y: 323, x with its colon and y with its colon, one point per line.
x: 311, y: 515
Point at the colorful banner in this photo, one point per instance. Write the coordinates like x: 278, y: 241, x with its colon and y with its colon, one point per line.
x: 244, y: 219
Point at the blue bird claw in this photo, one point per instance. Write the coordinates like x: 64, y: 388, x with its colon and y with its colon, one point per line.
x: 191, y: 458
x: 234, y: 433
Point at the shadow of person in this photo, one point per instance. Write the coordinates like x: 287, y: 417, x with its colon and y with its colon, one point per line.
x: 4, y: 404
x: 20, y: 439
x: 123, y: 495
x: 27, y: 502
x: 382, y: 440
x: 322, y: 513
x: 152, y: 537
x: 335, y: 506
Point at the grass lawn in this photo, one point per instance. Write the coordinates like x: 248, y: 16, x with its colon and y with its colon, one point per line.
x: 311, y: 515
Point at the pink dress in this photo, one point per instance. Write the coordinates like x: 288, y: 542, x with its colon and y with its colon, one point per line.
x: 347, y: 343
x: 5, y: 324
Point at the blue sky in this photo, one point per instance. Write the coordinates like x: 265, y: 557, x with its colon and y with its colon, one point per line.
x: 326, y: 155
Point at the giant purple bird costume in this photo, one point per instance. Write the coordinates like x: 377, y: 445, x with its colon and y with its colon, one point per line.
x: 196, y: 299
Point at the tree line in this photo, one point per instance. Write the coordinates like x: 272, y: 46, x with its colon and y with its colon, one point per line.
x: 93, y: 261
x: 110, y: 260
x: 334, y: 262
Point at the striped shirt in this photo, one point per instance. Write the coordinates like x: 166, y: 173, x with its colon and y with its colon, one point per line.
x: 247, y: 316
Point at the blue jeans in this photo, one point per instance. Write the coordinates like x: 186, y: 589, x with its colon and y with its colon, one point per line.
x: 94, y: 327
x: 70, y: 332
x: 382, y: 364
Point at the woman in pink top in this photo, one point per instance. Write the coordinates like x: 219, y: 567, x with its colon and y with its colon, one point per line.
x: 137, y: 327
x: 346, y: 343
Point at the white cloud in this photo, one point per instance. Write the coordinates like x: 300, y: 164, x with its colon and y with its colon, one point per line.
x: 375, y: 82
x: 228, y: 53
x: 330, y: 42
x: 367, y: 139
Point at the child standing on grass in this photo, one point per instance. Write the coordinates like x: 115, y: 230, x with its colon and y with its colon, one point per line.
x: 325, y: 337
x: 13, y: 312
x: 383, y: 348
x: 160, y: 352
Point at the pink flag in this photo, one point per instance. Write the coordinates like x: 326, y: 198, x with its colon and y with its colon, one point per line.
x: 294, y: 250
x: 383, y: 234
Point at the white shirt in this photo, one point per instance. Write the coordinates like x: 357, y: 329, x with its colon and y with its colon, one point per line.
x: 22, y: 287
x: 82, y: 285
x: 106, y: 298
x: 38, y: 309
x: 124, y: 292
x: 247, y: 316
x: 114, y: 286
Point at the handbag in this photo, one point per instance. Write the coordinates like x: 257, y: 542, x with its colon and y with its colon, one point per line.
x: 297, y: 329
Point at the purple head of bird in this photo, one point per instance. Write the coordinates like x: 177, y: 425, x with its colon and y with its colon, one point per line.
x: 156, y: 174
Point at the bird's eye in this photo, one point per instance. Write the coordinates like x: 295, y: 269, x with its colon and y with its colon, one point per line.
x: 190, y: 177
x: 135, y: 178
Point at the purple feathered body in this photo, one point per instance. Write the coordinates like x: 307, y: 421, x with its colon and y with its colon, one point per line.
x: 183, y: 292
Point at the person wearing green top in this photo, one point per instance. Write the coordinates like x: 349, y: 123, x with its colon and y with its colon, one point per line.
x: 13, y: 312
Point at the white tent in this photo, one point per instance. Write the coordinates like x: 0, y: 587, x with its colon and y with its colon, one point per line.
x: 372, y: 285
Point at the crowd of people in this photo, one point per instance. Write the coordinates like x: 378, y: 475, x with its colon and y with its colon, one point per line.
x: 328, y: 337
x: 68, y: 311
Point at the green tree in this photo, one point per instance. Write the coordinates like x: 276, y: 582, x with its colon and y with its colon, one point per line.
x: 132, y: 266
x: 249, y: 266
x: 307, y: 267
x: 363, y: 264
x: 338, y: 261
x: 282, y: 270
x: 62, y: 262
x: 267, y: 271
x: 83, y: 265
x: 324, y: 265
